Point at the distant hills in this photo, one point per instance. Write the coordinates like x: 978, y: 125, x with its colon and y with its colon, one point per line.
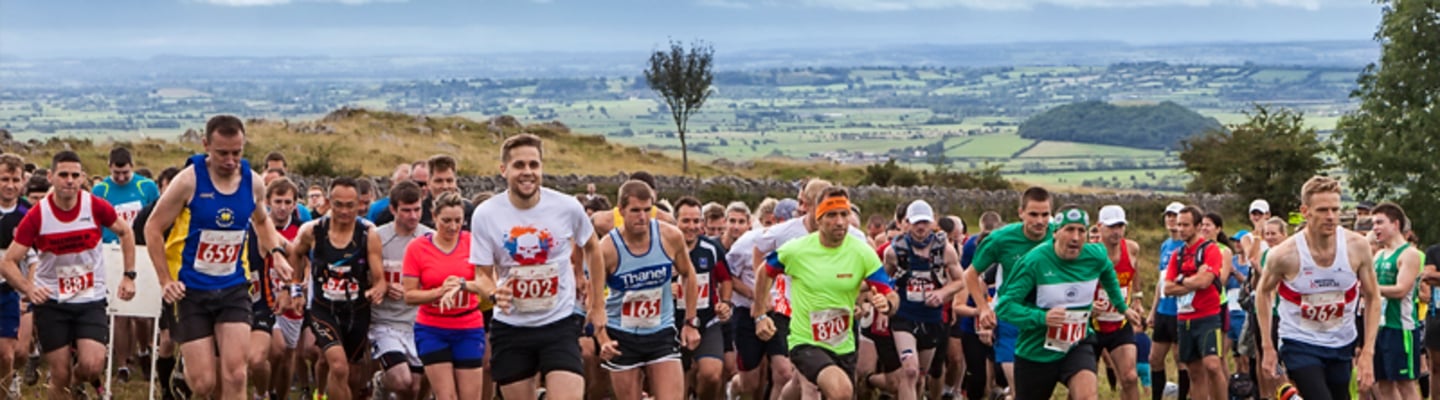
x: 1159, y: 127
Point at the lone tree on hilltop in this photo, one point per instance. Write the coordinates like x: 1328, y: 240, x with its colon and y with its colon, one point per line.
x: 1388, y: 144
x: 682, y: 77
x: 1266, y: 157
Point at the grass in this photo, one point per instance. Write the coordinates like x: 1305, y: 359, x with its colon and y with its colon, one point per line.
x: 1071, y: 149
x: 989, y: 146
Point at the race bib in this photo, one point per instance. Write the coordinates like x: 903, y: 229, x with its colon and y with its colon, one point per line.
x: 1322, y: 311
x: 1105, y: 309
x: 1061, y: 338
x: 640, y: 308
x: 393, y: 270
x: 464, y: 302
x: 254, y: 286
x: 780, y: 295
x: 219, y: 252
x: 75, y: 281
x: 1234, y: 296
x: 535, y: 287
x: 830, y: 326
x: 1185, y: 303
x: 916, y: 289
x: 340, y: 289
x: 128, y: 211
x: 702, y: 282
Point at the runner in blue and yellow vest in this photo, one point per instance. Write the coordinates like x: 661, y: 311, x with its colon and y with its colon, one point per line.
x: 202, y: 267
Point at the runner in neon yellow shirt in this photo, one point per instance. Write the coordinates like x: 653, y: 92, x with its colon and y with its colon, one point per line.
x: 826, y: 270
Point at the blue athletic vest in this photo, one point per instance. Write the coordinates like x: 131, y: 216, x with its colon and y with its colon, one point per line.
x: 206, y: 248
x: 640, y: 301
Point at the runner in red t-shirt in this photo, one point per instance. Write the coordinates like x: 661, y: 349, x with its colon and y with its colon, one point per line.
x: 1191, y: 277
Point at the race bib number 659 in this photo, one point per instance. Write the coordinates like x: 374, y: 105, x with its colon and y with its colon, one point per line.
x: 218, y: 252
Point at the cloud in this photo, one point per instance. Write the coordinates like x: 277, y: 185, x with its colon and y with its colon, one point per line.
x: 910, y: 5
x: 263, y: 3
x: 724, y: 4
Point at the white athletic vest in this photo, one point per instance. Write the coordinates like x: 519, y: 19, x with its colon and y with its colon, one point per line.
x: 1318, y: 306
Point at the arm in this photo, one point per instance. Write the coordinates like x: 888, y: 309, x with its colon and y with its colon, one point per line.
x: 10, y: 269
x: 377, y: 268
x: 270, y: 238
x: 1369, y: 290
x: 416, y: 296
x: 984, y: 258
x: 1171, y: 274
x: 891, y: 260
x: 300, y: 249
x: 762, y: 286
x: 166, y: 210
x: 1276, y: 266
x: 952, y: 268
x: 1111, y: 283
x: 1013, y: 306
x: 1212, y: 270
x: 1405, y: 280
x: 1134, y: 282
x: 737, y: 283
x: 126, y: 291
x: 675, y: 243
x: 601, y: 259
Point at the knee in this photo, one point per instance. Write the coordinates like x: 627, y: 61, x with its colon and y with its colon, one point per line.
x: 1213, y: 366
x: 908, y: 374
x: 1129, y: 378
x: 782, y: 374
x: 399, y: 382
x: 200, y: 384
x: 339, y: 369
x: 838, y: 393
x: 709, y: 374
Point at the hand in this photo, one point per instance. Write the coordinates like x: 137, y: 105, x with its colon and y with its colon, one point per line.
x: 1269, y: 363
x: 127, y: 289
x: 376, y: 294
x: 986, y: 320
x: 689, y: 337
x: 881, y: 323
x: 1133, y: 315
x: 503, y: 294
x: 722, y: 311
x: 986, y: 336
x: 452, y: 282
x: 1055, y: 318
x: 282, y: 301
x: 451, y: 298
x: 38, y: 294
x: 174, y: 291
x: 934, y: 298
x: 281, y: 267
x: 395, y: 291
x: 882, y: 303
x: 765, y: 329
x: 1150, y: 321
x: 609, y: 349
x: 1367, y: 372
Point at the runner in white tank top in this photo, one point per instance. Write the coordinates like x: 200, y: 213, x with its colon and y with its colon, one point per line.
x: 1319, y: 274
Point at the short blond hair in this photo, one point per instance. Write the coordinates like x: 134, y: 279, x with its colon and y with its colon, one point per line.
x: 1316, y: 185
x: 813, y: 189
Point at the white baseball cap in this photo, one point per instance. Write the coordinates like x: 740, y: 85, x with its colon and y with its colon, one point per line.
x: 919, y: 211
x: 1112, y: 215
x: 1174, y: 208
x: 1260, y: 205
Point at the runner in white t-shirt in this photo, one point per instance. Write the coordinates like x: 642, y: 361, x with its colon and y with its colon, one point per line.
x: 524, y: 237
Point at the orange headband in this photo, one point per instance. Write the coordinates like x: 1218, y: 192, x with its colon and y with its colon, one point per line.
x: 832, y: 204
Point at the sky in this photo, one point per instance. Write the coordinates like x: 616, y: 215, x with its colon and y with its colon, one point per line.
x: 143, y: 28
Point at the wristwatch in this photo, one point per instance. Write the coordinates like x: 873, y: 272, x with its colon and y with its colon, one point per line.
x: 130, y: 275
x: 281, y: 250
x: 694, y: 322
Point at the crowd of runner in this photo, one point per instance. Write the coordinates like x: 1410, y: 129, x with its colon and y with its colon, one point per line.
x: 344, y: 291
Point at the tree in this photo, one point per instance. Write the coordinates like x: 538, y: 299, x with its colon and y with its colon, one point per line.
x: 1267, y: 157
x: 682, y: 77
x: 1388, y: 145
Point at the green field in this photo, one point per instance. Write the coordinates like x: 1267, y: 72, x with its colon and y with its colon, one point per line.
x: 987, y: 146
x: 1071, y: 149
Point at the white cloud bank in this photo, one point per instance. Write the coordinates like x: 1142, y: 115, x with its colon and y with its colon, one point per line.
x: 908, y: 5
